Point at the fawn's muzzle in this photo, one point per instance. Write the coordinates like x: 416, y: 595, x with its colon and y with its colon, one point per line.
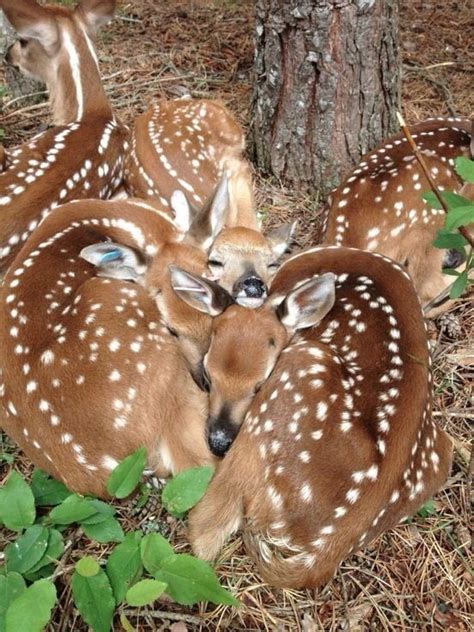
x: 221, y: 434
x: 250, y: 291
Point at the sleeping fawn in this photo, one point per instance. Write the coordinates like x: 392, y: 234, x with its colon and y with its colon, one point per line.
x: 379, y: 205
x: 331, y: 380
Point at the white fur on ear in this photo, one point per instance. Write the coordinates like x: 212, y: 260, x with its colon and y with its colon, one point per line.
x: 280, y: 238
x: 201, y: 294
x: 114, y: 261
x: 308, y: 303
x: 97, y: 13
x: 182, y: 210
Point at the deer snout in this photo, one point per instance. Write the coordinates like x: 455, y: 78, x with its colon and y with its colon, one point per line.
x: 221, y: 433
x: 249, y: 291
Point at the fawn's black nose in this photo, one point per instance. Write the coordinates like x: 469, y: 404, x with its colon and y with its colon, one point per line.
x: 453, y: 259
x: 253, y: 287
x: 221, y: 434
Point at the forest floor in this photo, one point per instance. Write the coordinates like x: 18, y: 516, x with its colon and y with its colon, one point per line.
x: 415, y: 577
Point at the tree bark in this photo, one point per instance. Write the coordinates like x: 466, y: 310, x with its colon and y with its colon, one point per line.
x: 327, y: 86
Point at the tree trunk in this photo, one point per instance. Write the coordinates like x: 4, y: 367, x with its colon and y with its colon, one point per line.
x: 17, y: 84
x: 327, y: 86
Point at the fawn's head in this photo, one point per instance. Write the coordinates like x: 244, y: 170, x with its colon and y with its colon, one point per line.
x: 245, y: 344
x: 55, y: 46
x: 240, y: 259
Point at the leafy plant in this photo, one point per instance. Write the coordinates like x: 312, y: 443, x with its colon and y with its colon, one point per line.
x: 460, y: 214
x: 138, y: 570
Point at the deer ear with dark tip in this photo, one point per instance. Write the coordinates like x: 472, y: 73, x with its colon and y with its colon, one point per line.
x: 201, y: 294
x: 308, y: 303
x: 114, y: 261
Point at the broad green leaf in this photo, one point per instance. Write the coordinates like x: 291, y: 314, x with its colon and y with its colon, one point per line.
x: 154, y: 548
x: 74, y: 509
x: 11, y: 587
x: 126, y: 476
x: 48, y: 491
x: 93, y: 595
x: 465, y: 168
x: 461, y: 216
x: 27, y: 550
x: 459, y: 285
x: 186, y: 489
x: 144, y: 592
x: 87, y: 566
x: 104, y: 512
x: 107, y: 531
x: 53, y: 552
x: 191, y: 580
x: 17, y: 503
x: 448, y: 240
x: 453, y: 200
x: 124, y: 566
x: 31, y: 611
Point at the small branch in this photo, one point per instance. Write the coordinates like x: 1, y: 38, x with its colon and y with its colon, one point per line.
x: 431, y: 182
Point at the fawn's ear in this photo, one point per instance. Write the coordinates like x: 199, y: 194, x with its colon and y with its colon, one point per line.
x: 114, y: 261
x: 209, y: 221
x: 308, y: 303
x: 280, y: 238
x: 32, y: 21
x: 201, y: 294
x: 96, y: 13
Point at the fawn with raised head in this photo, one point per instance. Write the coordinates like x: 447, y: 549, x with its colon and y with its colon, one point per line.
x: 242, y: 260
x: 188, y: 153
x: 97, y: 353
x: 81, y: 156
x: 338, y: 443
x: 379, y: 206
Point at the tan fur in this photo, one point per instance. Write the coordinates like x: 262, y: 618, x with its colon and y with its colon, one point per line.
x: 88, y: 369
x: 82, y: 155
x: 339, y: 443
x: 379, y: 206
x: 200, y: 139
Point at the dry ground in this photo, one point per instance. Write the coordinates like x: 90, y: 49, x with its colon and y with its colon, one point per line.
x: 416, y: 577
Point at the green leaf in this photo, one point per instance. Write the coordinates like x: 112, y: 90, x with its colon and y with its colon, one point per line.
x: 451, y: 272
x: 7, y: 458
x: 48, y: 491
x: 144, y: 592
x: 104, y: 512
x: 186, y: 489
x: 107, y: 531
x: 448, y: 240
x: 93, y: 595
x: 27, y: 550
x: 154, y: 548
x: 31, y: 611
x: 11, y: 587
x: 87, y: 566
x: 428, y: 509
x: 53, y: 552
x: 460, y: 216
x: 191, y: 580
x: 452, y: 200
x: 459, y: 285
x: 126, y: 476
x: 74, y: 509
x: 464, y: 168
x: 124, y: 566
x: 17, y: 503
